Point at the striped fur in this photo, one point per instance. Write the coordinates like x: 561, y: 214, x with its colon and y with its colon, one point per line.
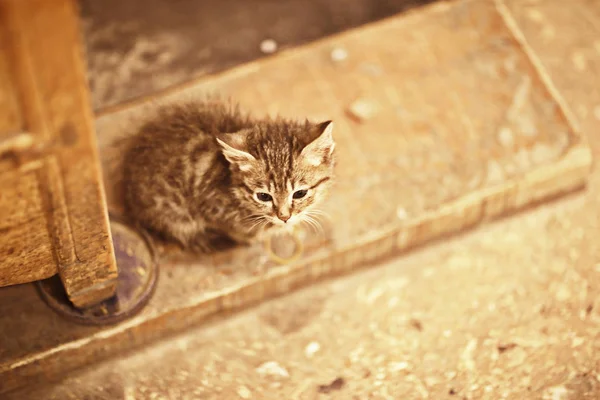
x: 193, y: 173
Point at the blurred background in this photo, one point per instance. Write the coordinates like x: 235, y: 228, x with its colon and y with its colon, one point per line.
x: 135, y: 48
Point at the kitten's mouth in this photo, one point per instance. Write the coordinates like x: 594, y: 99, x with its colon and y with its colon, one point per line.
x: 283, y: 226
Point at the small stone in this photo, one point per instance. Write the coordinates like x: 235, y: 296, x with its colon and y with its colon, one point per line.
x: 268, y: 46
x: 502, y: 347
x: 244, y: 392
x: 339, y: 54
x: 556, y: 393
x: 272, y: 368
x: 336, y: 384
x: 506, y: 137
x: 311, y: 349
x: 401, y: 213
x: 563, y: 293
x: 450, y: 375
x: 416, y: 324
x: 431, y: 381
x: 362, y: 110
x: 398, y: 366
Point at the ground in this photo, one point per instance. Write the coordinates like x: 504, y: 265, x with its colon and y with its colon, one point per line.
x: 509, y: 310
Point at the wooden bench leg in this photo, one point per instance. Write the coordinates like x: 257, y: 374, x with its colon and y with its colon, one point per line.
x: 47, y: 61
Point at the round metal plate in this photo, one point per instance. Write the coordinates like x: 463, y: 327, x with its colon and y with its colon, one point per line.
x: 138, y: 273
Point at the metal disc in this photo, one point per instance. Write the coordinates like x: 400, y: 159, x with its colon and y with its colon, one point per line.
x: 138, y: 273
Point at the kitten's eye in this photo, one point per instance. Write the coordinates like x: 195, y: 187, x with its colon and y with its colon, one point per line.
x: 265, y: 197
x: 299, y: 194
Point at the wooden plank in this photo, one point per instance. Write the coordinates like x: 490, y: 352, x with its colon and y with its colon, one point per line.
x: 48, y: 57
x: 20, y: 200
x: 11, y: 119
x: 26, y: 252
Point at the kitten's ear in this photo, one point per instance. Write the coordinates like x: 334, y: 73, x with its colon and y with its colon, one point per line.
x: 232, y: 151
x: 322, y: 147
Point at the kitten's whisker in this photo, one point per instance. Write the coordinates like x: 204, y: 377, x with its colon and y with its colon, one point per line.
x: 311, y: 215
x: 305, y: 221
x: 319, y: 213
x: 314, y: 224
x: 257, y: 223
x: 318, y: 224
x: 253, y: 217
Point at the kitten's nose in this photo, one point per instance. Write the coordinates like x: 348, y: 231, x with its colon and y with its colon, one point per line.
x: 284, y: 218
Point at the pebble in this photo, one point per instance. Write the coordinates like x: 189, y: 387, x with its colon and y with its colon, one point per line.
x: 556, y: 393
x: 268, y: 46
x: 311, y: 349
x: 339, y: 54
x: 272, y: 368
x: 563, y: 293
x: 362, y: 109
x: 398, y: 366
x: 401, y: 213
x: 244, y: 392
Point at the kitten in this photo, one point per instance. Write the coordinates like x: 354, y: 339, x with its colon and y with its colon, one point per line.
x: 203, y: 174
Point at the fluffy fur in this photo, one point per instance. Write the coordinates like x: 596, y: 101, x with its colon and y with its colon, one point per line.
x: 204, y: 173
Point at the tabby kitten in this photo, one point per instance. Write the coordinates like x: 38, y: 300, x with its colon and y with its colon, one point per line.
x: 204, y: 174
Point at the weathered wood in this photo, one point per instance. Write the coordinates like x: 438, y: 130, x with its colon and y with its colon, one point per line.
x: 43, y: 45
x: 25, y: 247
x: 11, y: 119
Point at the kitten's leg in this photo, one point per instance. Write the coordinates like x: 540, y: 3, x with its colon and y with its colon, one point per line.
x: 239, y: 238
x: 214, y: 240
x: 173, y: 225
x: 200, y: 244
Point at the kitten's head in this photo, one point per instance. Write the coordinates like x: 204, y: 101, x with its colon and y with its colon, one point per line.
x: 280, y: 170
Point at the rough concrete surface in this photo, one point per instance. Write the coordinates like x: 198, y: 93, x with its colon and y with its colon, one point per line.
x: 137, y: 47
x: 510, y: 310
